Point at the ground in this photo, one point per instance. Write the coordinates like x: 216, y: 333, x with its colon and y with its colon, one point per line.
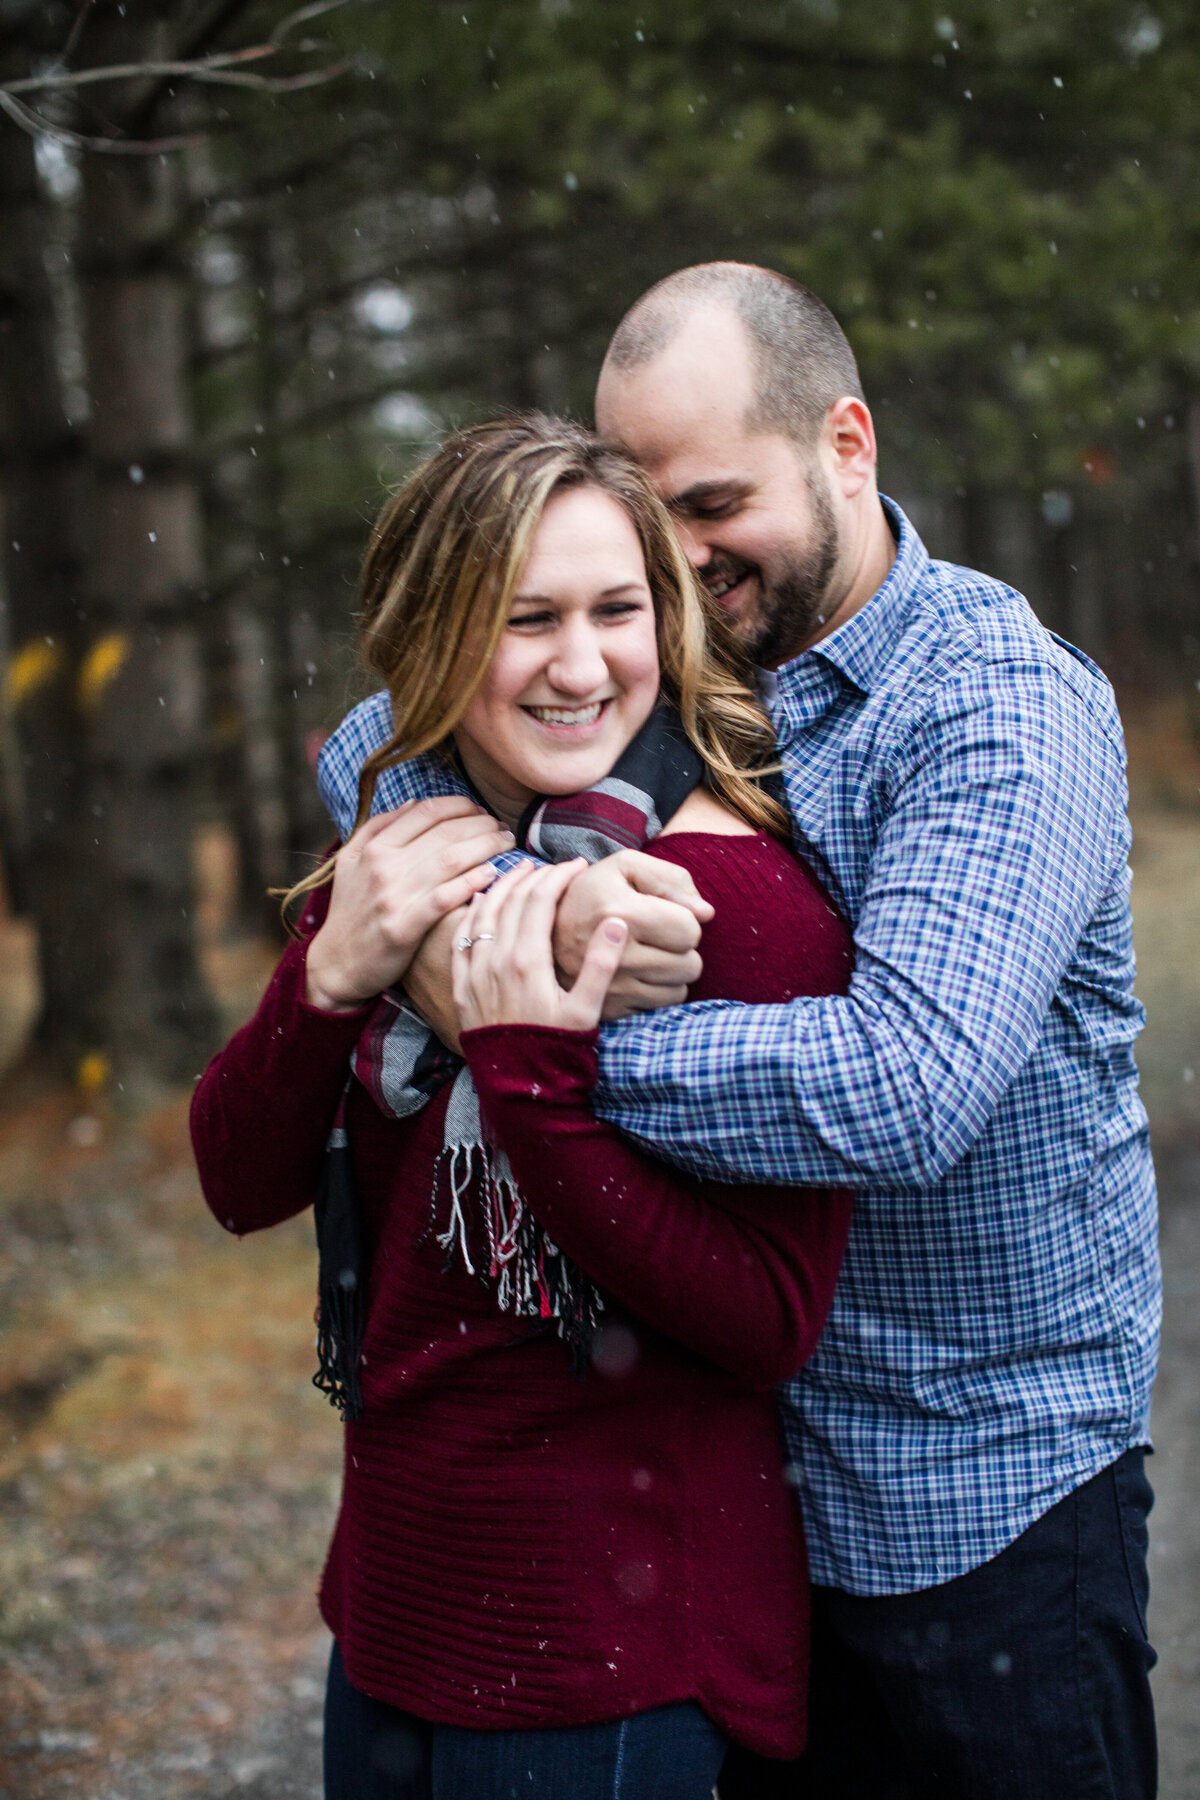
x: 168, y: 1474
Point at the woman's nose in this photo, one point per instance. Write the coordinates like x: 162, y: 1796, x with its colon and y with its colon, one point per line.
x: 578, y: 665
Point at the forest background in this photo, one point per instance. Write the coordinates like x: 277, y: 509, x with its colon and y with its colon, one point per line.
x: 254, y: 259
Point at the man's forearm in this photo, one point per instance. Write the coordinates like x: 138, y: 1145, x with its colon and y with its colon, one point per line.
x: 982, y: 882
x: 799, y: 1094
x: 821, y: 1092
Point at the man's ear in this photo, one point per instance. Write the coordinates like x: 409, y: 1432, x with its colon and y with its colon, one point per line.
x: 850, y: 444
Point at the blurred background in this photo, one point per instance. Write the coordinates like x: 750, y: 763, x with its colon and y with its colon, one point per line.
x: 253, y: 260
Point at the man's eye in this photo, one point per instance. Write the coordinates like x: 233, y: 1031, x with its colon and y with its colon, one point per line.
x: 702, y: 510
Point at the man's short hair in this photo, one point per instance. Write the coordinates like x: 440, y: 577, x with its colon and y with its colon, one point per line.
x: 802, y: 360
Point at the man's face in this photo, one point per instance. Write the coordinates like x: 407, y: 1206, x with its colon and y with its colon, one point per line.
x: 755, y: 514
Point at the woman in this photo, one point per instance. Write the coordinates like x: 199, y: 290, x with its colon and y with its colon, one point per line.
x: 566, y: 1563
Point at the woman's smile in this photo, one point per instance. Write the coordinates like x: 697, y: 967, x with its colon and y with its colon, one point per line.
x: 563, y: 718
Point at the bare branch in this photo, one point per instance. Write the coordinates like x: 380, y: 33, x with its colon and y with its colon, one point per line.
x: 286, y: 26
x: 221, y: 68
x: 37, y: 126
x: 282, y: 84
x: 123, y: 71
x: 216, y: 69
x: 209, y: 72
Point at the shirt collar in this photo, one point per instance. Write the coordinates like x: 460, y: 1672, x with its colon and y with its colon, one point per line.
x: 861, y: 648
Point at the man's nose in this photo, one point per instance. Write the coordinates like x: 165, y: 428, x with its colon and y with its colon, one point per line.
x: 691, y: 543
x: 578, y: 665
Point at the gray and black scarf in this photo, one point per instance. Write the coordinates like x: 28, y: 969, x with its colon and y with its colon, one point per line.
x: 478, y: 1214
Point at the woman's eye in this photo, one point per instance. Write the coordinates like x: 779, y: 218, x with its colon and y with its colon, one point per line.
x: 531, y: 619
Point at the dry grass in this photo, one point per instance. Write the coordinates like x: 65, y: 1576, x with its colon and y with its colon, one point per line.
x: 167, y: 1472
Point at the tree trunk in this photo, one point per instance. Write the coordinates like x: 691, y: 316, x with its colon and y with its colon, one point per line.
x: 51, y: 855
x: 260, y: 807
x: 142, y: 674
x: 275, y: 586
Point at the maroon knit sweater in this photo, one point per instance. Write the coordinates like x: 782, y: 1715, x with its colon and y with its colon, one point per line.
x: 519, y: 1545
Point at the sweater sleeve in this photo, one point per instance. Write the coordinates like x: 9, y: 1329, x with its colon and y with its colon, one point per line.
x: 744, y: 1276
x: 264, y: 1106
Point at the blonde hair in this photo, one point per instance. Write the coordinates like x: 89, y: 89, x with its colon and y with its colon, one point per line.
x: 444, y: 560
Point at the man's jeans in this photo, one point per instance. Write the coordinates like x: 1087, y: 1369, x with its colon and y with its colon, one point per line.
x: 1026, y: 1679
x: 376, y: 1752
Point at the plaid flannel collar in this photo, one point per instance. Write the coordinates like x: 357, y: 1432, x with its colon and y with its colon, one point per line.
x: 860, y: 650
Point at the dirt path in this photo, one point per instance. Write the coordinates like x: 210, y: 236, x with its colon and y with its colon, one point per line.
x: 1175, y: 1473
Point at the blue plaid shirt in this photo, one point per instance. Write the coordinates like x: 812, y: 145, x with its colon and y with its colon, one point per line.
x: 956, y: 776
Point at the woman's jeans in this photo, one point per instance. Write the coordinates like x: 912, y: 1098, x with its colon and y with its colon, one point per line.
x: 376, y: 1752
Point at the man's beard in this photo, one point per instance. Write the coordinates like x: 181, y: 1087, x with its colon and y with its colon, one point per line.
x: 793, y: 606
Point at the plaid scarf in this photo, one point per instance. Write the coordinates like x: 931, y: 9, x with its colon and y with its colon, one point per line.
x: 477, y: 1212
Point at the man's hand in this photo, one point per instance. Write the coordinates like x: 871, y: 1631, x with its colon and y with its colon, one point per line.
x: 657, y: 901
x: 427, y: 980
x: 660, y: 905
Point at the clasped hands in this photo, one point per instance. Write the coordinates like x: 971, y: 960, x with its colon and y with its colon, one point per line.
x: 400, y: 895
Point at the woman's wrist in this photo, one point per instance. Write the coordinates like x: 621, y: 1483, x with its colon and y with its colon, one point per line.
x: 320, y: 1001
x: 321, y: 992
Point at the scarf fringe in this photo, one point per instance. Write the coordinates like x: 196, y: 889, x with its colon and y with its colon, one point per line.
x: 339, y: 1322
x: 341, y: 1311
x: 528, y: 1273
x: 459, y: 1177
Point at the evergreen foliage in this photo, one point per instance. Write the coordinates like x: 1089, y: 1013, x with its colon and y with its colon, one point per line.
x: 1000, y: 201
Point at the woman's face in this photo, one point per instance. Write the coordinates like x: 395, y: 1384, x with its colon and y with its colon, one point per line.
x: 576, y: 673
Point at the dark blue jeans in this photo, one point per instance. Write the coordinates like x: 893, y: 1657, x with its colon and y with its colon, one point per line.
x: 376, y: 1752
x: 1026, y: 1679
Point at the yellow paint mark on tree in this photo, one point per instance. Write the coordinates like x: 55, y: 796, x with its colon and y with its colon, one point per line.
x: 33, y: 665
x: 99, y: 666
x: 92, y: 1073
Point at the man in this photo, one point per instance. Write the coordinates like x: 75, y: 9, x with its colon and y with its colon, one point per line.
x: 968, y: 1440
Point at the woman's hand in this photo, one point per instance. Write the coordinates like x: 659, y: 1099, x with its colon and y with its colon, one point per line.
x: 395, y: 878
x: 507, y: 975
